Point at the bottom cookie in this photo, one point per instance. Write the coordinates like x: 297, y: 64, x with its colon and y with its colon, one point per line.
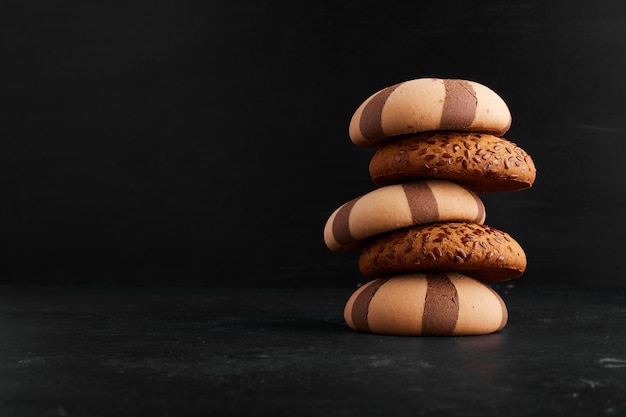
x: 426, y: 304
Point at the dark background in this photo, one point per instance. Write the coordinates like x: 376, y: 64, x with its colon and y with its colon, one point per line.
x: 205, y: 143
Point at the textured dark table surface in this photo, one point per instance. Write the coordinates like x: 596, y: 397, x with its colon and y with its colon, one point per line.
x: 81, y: 351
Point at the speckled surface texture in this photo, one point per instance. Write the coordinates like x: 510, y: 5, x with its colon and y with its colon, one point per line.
x: 80, y: 351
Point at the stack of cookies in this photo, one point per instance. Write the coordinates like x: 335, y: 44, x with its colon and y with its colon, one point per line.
x: 424, y: 246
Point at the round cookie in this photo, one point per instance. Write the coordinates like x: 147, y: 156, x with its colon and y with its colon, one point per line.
x: 434, y: 304
x: 397, y: 206
x: 480, y: 251
x: 428, y: 104
x: 478, y: 161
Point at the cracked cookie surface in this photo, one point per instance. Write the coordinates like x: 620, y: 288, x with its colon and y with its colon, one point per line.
x: 481, y: 162
x: 482, y: 252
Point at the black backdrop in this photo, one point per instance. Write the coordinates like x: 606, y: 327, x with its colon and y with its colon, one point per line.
x: 197, y: 142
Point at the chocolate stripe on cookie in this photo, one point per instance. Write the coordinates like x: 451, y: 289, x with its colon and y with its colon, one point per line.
x: 422, y: 202
x: 341, y: 224
x: 459, y: 107
x: 361, y: 305
x: 441, y: 309
x: 370, y: 123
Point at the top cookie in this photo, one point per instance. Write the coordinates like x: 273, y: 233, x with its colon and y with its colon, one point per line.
x: 429, y: 104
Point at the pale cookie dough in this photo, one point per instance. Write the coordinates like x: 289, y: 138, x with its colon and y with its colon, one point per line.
x: 435, y: 304
x: 400, y: 205
x: 429, y: 104
x: 482, y: 252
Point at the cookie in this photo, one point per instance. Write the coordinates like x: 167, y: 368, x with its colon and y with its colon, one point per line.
x: 400, y: 205
x: 479, y: 251
x: 478, y: 161
x: 429, y: 104
x: 434, y: 304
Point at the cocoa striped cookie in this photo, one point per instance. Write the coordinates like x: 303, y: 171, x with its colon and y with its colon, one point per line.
x: 436, y: 304
x: 429, y: 104
x: 480, y: 251
x: 478, y: 161
x: 397, y: 206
